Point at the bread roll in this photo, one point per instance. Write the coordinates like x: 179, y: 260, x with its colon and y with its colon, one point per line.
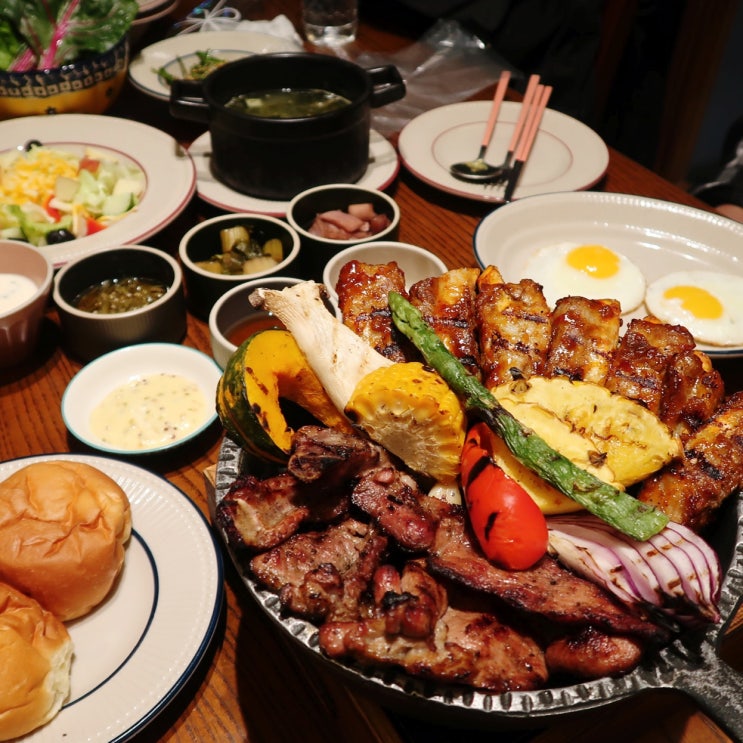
x: 36, y: 653
x: 63, y: 527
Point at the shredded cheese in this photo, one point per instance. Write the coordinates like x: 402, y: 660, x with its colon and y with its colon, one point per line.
x: 30, y: 177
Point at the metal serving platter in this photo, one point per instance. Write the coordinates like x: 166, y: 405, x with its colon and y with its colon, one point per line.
x: 690, y: 664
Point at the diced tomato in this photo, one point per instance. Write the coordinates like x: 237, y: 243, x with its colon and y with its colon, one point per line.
x: 89, y: 163
x: 91, y: 226
x: 50, y: 210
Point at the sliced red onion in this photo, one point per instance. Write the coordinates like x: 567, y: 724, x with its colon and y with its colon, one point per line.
x: 675, y: 572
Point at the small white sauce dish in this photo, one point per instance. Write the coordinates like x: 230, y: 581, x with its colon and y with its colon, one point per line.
x: 94, y: 382
x: 415, y: 262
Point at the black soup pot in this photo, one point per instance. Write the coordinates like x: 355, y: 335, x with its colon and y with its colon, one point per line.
x: 276, y: 158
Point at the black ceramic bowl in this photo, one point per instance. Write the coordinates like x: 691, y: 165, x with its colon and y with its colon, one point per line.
x: 89, y: 334
x: 316, y: 250
x: 204, y: 288
x: 276, y: 158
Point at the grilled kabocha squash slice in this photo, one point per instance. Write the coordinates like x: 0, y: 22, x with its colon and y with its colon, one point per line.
x: 267, y: 368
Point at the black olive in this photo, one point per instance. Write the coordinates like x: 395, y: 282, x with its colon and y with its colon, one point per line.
x: 59, y: 236
x: 31, y: 144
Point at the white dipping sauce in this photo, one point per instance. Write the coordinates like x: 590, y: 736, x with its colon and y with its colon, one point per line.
x: 14, y: 291
x: 149, y: 412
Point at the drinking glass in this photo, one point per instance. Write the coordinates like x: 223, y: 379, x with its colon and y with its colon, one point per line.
x: 330, y: 22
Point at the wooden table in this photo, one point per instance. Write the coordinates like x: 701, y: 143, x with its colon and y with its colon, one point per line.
x: 253, y: 685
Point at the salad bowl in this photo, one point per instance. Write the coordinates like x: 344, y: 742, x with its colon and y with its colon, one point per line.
x: 90, y: 85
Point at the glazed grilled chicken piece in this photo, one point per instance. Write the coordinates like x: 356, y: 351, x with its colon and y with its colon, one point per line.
x: 591, y: 654
x: 465, y: 646
x: 513, y: 328
x: 692, y: 391
x: 690, y: 490
x: 547, y: 589
x: 584, y: 338
x: 362, y: 290
x: 447, y: 303
x: 322, y: 575
x: 394, y: 500
x: 638, y: 370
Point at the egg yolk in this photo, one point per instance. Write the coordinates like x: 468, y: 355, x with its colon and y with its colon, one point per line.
x: 697, y: 301
x: 595, y: 260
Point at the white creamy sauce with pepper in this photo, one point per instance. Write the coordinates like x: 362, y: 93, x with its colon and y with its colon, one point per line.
x: 149, y: 412
x: 14, y: 291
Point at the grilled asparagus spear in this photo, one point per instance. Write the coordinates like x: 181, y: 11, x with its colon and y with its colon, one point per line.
x: 624, y: 512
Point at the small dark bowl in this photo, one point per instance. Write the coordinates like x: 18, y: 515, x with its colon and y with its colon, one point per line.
x: 204, y: 288
x: 88, y: 85
x: 317, y: 251
x: 88, y: 334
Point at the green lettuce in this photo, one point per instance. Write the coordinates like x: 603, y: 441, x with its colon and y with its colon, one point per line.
x: 41, y: 34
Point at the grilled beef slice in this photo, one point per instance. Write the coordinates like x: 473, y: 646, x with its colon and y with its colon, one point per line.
x: 463, y: 646
x: 322, y: 575
x: 546, y: 589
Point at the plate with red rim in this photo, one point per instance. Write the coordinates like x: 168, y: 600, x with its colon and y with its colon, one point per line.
x: 382, y: 170
x: 168, y: 168
x: 567, y: 155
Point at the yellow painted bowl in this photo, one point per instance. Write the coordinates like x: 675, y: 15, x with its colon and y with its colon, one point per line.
x: 88, y: 85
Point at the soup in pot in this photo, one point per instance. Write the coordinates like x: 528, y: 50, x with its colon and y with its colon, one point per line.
x: 288, y: 103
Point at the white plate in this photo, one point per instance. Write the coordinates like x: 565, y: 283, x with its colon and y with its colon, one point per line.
x: 383, y: 167
x: 171, y: 176
x: 134, y: 652
x: 566, y: 155
x: 229, y: 45
x: 659, y: 236
x: 100, y: 377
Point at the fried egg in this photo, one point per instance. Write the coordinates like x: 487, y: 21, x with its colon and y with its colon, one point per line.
x: 591, y: 271
x: 707, y: 303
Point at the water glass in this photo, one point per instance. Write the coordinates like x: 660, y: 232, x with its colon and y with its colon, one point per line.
x: 330, y: 22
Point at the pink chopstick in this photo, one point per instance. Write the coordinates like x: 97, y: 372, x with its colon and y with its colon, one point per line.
x: 531, y: 87
x: 500, y: 94
x: 534, y: 119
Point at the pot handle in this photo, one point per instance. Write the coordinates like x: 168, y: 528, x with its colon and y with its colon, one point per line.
x: 388, y: 85
x: 187, y: 101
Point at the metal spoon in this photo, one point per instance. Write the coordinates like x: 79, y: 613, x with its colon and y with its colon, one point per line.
x: 478, y: 170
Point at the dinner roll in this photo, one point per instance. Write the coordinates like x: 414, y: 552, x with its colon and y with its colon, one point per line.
x: 36, y: 653
x: 63, y: 527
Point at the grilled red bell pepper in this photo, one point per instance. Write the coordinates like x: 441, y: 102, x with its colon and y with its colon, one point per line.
x: 508, y: 524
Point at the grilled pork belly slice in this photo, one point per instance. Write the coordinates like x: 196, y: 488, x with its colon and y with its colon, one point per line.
x: 584, y: 337
x: 691, y: 489
x: 638, y: 369
x: 362, y: 290
x: 692, y: 391
x: 322, y: 575
x: 546, y: 590
x: 591, y: 654
x: 513, y: 328
x: 464, y: 646
x: 447, y: 303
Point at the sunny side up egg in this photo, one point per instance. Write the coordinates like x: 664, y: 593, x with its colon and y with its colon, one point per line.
x: 591, y: 271
x: 707, y: 303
